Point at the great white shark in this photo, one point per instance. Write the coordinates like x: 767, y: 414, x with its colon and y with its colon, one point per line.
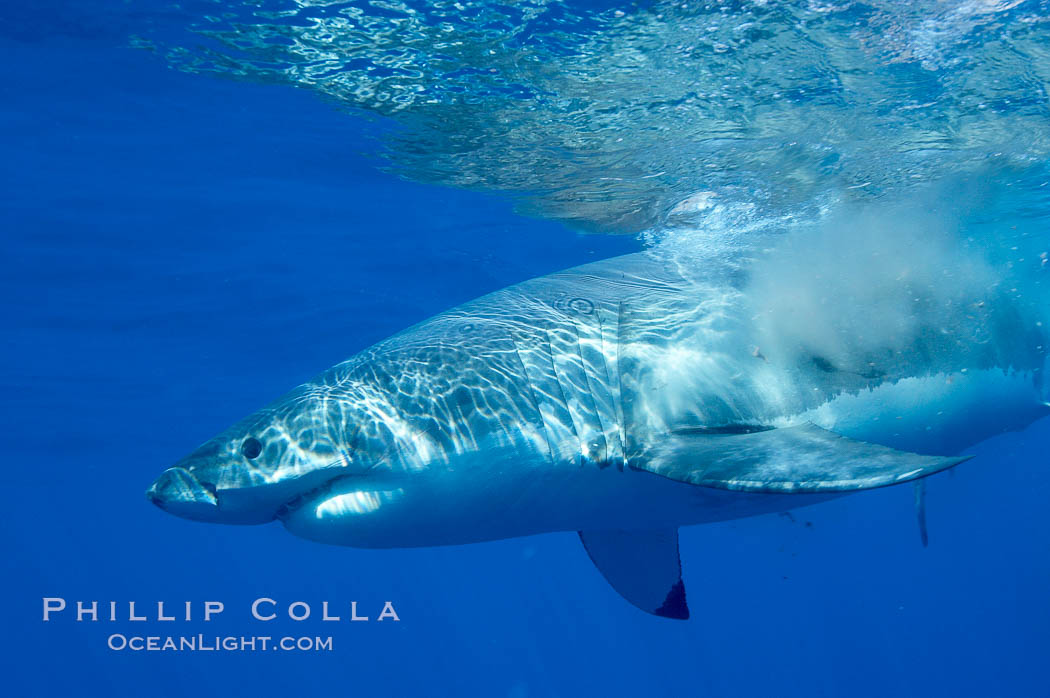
x: 621, y: 399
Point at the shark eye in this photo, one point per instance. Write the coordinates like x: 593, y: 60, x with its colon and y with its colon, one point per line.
x: 251, y: 448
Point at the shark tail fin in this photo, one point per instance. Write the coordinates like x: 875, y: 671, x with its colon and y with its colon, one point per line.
x: 642, y: 566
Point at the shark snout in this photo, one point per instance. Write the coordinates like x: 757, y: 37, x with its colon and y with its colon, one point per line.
x: 186, y: 491
x: 178, y: 492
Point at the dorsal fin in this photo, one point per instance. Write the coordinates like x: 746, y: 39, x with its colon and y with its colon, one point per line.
x: 642, y: 566
x: 799, y: 459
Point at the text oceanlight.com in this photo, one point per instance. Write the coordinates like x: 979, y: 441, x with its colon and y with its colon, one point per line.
x: 203, y: 643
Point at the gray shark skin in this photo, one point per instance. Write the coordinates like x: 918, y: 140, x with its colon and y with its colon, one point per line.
x: 619, y: 399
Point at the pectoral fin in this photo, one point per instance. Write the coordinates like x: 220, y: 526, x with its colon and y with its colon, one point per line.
x: 642, y: 566
x: 800, y: 459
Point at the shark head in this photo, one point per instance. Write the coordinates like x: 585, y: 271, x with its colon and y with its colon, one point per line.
x: 254, y: 471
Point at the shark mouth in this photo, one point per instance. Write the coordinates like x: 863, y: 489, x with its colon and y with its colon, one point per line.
x: 303, y: 498
x: 179, y: 492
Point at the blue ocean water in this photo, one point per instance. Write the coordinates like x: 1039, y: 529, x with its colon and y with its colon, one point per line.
x: 182, y: 247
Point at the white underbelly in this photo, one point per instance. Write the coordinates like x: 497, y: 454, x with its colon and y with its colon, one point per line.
x: 444, y: 509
